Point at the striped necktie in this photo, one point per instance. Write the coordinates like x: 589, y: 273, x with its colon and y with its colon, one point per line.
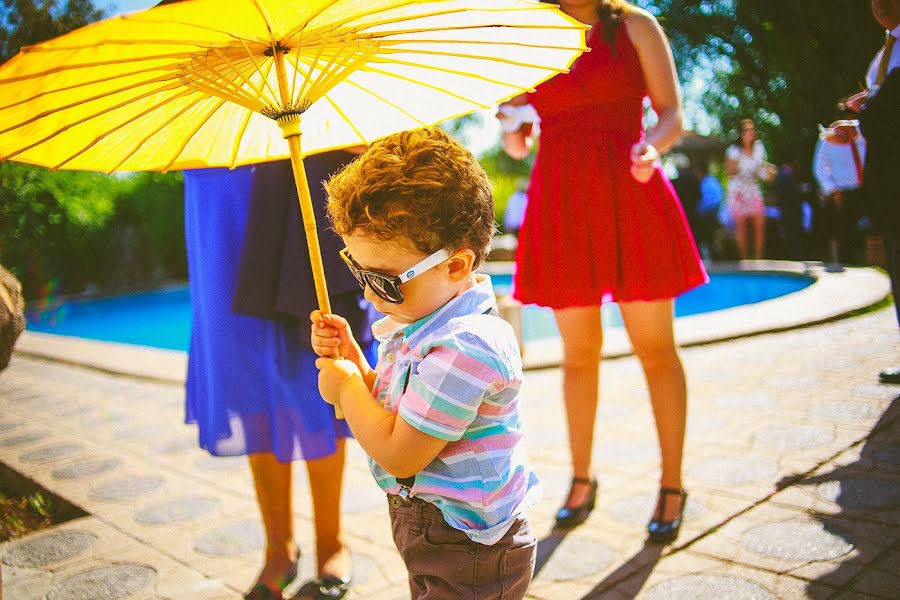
x: 885, y: 58
x: 857, y: 161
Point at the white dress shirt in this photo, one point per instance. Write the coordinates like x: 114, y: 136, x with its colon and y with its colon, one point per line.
x: 834, y: 168
x: 893, y: 62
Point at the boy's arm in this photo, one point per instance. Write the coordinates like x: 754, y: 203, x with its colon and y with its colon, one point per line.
x: 394, y: 444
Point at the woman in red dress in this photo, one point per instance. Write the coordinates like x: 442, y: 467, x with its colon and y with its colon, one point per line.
x: 604, y: 224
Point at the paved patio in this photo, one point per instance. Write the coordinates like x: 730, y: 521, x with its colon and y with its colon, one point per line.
x: 792, y: 462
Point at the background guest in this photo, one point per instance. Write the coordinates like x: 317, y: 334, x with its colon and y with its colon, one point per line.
x: 880, y: 123
x: 790, y: 196
x: 746, y: 166
x: 838, y: 169
x: 598, y: 187
x: 252, y: 382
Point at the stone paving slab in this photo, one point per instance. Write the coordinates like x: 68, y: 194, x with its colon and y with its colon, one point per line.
x: 88, y: 558
x: 791, y: 462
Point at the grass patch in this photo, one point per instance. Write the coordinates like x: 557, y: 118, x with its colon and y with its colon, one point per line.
x: 25, y: 506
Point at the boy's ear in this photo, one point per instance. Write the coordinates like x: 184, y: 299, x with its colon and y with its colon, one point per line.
x: 460, y: 264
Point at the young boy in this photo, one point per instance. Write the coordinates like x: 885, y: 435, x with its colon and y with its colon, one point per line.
x: 438, y: 416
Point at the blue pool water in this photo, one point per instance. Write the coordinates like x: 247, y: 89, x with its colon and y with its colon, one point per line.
x: 162, y: 318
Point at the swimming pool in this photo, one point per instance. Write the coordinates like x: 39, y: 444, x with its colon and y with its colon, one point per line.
x: 162, y: 318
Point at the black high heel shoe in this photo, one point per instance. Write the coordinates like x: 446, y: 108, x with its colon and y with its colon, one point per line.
x: 569, y: 517
x: 663, y: 532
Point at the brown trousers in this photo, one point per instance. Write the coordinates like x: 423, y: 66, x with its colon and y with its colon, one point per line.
x: 444, y: 564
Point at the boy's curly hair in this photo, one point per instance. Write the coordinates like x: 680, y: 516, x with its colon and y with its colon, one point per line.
x: 419, y: 188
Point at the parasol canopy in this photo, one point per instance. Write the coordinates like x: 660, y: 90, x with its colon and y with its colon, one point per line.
x: 201, y: 83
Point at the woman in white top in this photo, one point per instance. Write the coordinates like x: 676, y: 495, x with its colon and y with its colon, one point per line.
x: 746, y: 166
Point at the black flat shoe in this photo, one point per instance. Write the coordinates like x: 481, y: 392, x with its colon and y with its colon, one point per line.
x: 569, y: 517
x: 261, y: 591
x: 663, y: 532
x: 327, y: 587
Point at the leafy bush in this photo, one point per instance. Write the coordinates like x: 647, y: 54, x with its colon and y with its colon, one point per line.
x: 69, y: 231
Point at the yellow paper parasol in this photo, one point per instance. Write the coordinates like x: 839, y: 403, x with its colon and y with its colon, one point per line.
x: 205, y: 83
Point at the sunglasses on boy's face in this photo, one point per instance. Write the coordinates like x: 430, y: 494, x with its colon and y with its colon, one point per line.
x: 387, y: 287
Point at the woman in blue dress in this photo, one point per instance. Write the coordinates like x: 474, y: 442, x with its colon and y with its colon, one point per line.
x: 252, y: 382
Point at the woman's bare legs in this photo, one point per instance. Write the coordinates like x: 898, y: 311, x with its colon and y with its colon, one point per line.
x: 650, y: 328
x: 740, y: 235
x: 759, y: 233
x: 325, y: 484
x: 582, y: 336
x: 272, y: 480
x: 274, y: 496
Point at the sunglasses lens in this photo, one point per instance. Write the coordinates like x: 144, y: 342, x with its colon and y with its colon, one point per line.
x: 384, y: 288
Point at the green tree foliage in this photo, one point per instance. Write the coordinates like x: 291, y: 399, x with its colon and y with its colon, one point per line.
x: 784, y: 64
x: 148, y: 229
x: 52, y: 224
x: 505, y: 174
x: 67, y: 230
x: 26, y: 22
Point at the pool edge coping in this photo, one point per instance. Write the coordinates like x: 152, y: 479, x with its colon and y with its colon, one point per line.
x: 833, y: 295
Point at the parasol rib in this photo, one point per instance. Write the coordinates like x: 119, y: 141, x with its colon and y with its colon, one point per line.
x: 340, y: 73
x: 103, y: 63
x: 308, y: 76
x: 243, y: 128
x: 191, y: 73
x: 162, y: 126
x: 239, y: 138
x: 238, y: 72
x: 346, y: 119
x: 88, y: 118
x: 118, y: 126
x: 268, y: 24
x: 471, y: 56
x: 348, y: 23
x: 384, y: 43
x: 190, y: 136
x: 82, y: 102
x: 390, y: 61
x: 167, y: 22
x: 249, y: 102
x: 258, y: 70
x: 385, y: 34
x: 389, y: 103
x: 369, y: 69
x: 323, y: 72
x: 167, y: 68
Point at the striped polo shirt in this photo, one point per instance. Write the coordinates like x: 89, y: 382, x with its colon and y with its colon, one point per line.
x: 455, y: 375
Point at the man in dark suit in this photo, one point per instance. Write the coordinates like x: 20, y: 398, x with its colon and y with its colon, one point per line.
x: 880, y: 122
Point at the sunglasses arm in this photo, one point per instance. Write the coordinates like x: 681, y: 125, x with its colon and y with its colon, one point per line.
x: 430, y: 262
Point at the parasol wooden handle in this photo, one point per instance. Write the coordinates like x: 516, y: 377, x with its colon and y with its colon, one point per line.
x: 312, y: 236
x: 290, y: 127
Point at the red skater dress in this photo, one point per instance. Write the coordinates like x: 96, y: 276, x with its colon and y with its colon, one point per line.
x: 592, y: 233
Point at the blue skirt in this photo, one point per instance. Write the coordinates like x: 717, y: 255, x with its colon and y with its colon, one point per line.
x: 251, y: 384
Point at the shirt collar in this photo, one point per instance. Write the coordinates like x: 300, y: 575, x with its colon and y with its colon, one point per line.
x: 895, y: 32
x: 477, y: 299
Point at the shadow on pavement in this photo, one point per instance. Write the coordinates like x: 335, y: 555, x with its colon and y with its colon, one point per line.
x: 547, y: 546
x: 867, y: 490
x: 636, y: 569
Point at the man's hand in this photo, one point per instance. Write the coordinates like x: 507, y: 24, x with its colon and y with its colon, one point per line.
x: 856, y: 101
x: 514, y: 118
x: 334, y: 374
x: 838, y: 197
x: 644, y: 158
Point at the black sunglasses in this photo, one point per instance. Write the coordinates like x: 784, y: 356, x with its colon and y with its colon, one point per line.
x: 387, y: 287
